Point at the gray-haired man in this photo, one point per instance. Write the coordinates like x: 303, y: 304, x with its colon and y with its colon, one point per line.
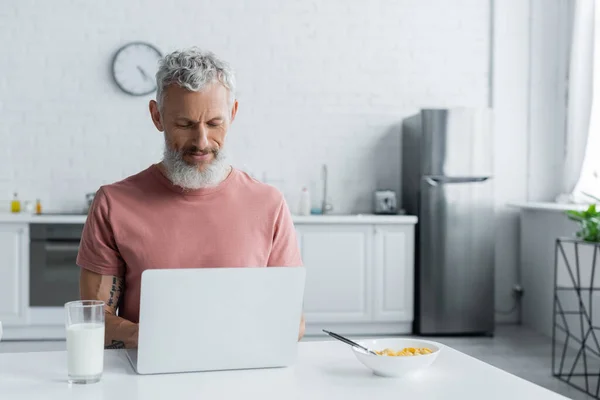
x: 192, y: 210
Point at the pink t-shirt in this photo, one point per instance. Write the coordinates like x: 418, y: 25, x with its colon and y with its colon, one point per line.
x: 146, y: 222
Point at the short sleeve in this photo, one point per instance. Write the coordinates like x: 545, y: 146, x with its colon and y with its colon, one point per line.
x: 285, y: 251
x: 98, y: 250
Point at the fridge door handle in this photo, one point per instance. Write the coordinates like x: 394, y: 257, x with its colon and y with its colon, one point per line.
x: 431, y: 181
x: 446, y: 180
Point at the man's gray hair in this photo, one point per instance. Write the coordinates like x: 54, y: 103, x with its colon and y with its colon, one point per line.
x: 194, y: 70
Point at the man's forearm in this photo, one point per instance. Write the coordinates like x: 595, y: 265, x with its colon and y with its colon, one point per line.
x: 119, y: 332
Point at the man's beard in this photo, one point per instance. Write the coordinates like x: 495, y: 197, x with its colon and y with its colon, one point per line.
x: 188, y: 176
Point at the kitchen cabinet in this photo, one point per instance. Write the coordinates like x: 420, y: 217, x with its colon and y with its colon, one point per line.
x: 14, y: 272
x: 393, y: 273
x: 359, y: 280
x: 337, y: 260
x: 359, y: 277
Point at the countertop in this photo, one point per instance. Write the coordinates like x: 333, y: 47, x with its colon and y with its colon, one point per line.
x: 556, y: 207
x: 311, y: 219
x: 355, y: 219
x: 324, y: 370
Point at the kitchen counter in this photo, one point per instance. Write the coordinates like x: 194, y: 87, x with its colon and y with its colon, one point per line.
x: 355, y: 219
x: 43, y: 218
x: 324, y: 370
x: 542, y: 206
x: 310, y: 219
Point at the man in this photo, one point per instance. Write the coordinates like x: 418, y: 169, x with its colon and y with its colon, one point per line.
x: 191, y: 210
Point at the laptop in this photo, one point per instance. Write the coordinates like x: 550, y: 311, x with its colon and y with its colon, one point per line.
x: 212, y: 319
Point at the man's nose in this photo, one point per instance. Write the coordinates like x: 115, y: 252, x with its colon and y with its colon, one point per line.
x: 201, y: 137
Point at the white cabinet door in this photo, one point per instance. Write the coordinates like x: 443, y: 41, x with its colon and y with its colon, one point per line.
x: 14, y: 272
x: 393, y: 273
x: 337, y: 260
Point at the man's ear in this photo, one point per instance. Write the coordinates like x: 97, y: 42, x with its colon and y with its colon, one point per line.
x: 234, y: 110
x: 155, y: 114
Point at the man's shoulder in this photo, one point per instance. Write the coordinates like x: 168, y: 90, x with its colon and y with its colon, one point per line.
x: 131, y: 185
x: 257, y: 189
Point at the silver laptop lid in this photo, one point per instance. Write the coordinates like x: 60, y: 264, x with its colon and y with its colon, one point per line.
x: 219, y: 318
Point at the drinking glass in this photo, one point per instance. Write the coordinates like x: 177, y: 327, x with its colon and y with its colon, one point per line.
x: 85, y: 340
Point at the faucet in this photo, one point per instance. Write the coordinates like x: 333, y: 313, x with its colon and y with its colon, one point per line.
x: 325, y: 207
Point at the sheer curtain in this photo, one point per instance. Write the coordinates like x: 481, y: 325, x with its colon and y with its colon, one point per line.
x: 582, y: 147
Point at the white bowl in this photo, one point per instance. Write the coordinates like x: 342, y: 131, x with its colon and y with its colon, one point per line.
x: 389, y: 366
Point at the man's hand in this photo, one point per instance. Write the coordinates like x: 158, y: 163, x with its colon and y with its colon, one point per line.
x: 119, y: 332
x: 302, y: 328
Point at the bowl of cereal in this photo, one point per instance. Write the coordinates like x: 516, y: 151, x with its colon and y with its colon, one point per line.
x: 397, y: 357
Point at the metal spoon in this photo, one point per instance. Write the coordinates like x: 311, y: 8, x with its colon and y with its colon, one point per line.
x: 350, y: 342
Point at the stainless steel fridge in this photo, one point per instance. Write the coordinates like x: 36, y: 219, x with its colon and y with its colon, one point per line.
x: 447, y: 161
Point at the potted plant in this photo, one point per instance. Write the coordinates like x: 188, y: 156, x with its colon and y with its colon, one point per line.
x: 589, y: 222
x: 579, y: 255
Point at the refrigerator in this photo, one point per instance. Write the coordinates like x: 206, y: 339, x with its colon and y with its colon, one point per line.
x: 447, y: 181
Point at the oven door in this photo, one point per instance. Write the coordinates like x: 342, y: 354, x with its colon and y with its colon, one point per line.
x: 54, y: 275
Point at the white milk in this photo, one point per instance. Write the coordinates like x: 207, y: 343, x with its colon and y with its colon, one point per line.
x: 85, y: 348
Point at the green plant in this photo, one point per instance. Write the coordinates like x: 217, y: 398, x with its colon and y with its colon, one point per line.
x: 589, y: 222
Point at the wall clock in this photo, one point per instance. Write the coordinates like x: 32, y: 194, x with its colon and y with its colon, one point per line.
x: 134, y: 68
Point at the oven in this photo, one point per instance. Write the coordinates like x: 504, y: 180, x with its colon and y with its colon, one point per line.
x: 53, y: 274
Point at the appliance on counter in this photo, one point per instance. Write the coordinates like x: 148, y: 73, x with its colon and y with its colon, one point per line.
x: 447, y: 181
x: 53, y: 275
x: 89, y: 199
x: 384, y: 202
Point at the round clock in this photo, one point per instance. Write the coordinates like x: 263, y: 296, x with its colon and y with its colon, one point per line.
x: 134, y: 67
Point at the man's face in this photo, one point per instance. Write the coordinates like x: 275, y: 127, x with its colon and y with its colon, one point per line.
x: 195, y: 123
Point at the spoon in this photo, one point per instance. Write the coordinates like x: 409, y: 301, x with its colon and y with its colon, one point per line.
x: 350, y: 342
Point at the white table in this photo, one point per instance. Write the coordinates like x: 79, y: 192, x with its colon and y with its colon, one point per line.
x: 324, y: 370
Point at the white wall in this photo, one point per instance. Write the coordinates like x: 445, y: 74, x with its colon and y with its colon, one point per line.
x: 319, y: 82
x: 510, y: 83
x: 551, y: 28
x: 529, y: 79
x: 551, y: 24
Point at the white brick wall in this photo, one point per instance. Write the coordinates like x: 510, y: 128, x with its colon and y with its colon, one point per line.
x: 529, y: 77
x: 511, y: 106
x: 319, y: 82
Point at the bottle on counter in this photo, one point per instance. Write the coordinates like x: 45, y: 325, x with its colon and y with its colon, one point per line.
x: 28, y: 207
x: 304, y: 206
x: 15, y: 204
x: 38, y: 206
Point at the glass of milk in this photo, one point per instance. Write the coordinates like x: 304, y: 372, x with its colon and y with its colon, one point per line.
x: 85, y: 340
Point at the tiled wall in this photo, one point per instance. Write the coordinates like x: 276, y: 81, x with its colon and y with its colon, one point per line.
x: 319, y: 82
